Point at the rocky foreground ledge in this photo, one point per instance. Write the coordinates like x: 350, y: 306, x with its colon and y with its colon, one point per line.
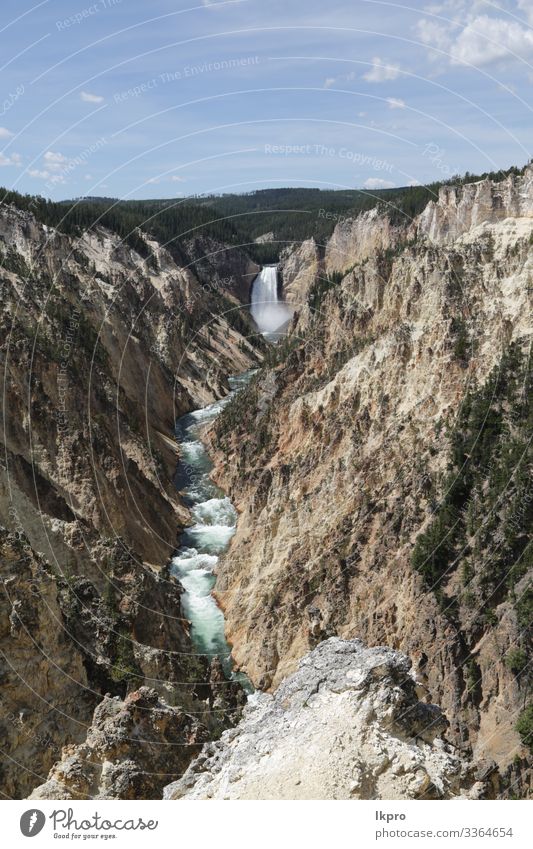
x: 348, y: 724
x: 135, y: 745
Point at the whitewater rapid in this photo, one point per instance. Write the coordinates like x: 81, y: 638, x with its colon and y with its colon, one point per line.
x: 201, y: 544
x: 213, y: 516
x: 269, y: 312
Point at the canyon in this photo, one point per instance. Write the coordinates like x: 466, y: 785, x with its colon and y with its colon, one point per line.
x: 381, y: 561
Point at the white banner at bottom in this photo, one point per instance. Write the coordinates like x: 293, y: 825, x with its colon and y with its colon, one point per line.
x: 276, y: 825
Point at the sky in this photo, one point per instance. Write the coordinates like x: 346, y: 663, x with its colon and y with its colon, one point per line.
x: 129, y: 99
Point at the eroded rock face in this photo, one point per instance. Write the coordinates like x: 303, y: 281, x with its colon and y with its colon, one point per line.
x: 299, y: 267
x: 131, y: 748
x: 336, y: 465
x: 101, y: 351
x: 223, y: 268
x: 333, y: 461
x: 461, y: 208
x: 45, y: 696
x: 113, y: 349
x: 356, y: 239
x: 348, y: 724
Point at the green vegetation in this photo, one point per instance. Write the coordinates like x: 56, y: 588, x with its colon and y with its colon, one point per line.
x: 239, y: 409
x: 516, y: 660
x: 124, y: 667
x: 12, y: 261
x: 170, y: 222
x: 484, y: 513
x: 67, y: 322
x: 472, y: 674
x: 322, y: 286
x: 462, y: 346
x: 280, y: 353
x: 291, y: 214
x: 109, y: 596
x: 295, y: 214
x: 524, y: 605
x: 524, y: 726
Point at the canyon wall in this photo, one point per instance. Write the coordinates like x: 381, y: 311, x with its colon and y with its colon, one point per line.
x: 299, y: 268
x: 381, y: 466
x: 101, y: 351
x: 356, y: 239
x: 356, y: 449
x: 460, y: 209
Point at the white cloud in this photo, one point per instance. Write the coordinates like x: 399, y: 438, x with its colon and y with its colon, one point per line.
x: 481, y: 38
x: 212, y: 3
x: 87, y: 97
x: 55, y: 162
x: 14, y: 159
x: 485, y: 40
x: 54, y: 158
x: 46, y: 175
x: 342, y: 78
x: 172, y: 179
x: 526, y: 7
x: 54, y: 167
x: 381, y: 71
x: 396, y: 103
x: 5, y: 134
x: 434, y: 35
x: 376, y: 183
x: 460, y: 9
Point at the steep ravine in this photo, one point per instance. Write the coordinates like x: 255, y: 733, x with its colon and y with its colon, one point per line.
x: 380, y: 468
x: 367, y: 434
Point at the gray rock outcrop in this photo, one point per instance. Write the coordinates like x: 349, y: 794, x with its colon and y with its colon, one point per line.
x: 348, y: 724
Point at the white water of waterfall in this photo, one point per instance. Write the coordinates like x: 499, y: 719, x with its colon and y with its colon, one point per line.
x: 268, y: 312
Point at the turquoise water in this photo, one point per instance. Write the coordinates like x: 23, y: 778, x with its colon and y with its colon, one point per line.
x: 214, y: 522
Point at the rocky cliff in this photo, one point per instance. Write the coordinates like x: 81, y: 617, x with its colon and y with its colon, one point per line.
x: 460, y: 209
x: 131, y: 749
x: 299, y: 268
x: 348, y: 724
x: 382, y: 465
x: 102, y: 349
x: 356, y: 239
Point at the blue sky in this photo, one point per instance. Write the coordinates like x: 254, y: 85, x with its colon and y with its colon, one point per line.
x: 126, y: 98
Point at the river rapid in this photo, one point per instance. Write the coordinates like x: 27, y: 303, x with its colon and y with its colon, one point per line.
x: 214, y: 522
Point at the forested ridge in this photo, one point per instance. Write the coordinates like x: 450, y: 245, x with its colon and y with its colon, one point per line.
x: 287, y: 215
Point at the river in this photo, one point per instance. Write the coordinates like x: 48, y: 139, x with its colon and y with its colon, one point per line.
x: 201, y: 544
x: 213, y: 515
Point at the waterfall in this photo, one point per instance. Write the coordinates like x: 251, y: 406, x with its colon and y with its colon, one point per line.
x: 268, y: 312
